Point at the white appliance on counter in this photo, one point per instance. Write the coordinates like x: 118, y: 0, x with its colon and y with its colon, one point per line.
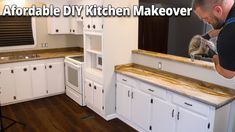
x: 74, y: 79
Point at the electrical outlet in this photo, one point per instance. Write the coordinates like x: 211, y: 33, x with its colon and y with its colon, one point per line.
x: 46, y: 44
x: 159, y: 65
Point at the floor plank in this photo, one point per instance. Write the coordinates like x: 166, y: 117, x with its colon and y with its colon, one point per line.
x: 58, y: 114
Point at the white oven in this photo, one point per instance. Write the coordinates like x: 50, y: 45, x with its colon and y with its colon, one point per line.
x: 74, y: 78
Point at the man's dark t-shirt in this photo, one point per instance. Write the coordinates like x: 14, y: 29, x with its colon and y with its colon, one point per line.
x: 226, y: 44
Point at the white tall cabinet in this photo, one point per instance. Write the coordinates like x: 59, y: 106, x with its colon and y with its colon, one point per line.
x: 106, y: 41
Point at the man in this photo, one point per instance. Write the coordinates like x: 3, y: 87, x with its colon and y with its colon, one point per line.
x: 221, y: 15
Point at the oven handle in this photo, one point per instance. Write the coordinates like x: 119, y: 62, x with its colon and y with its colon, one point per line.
x: 73, y: 64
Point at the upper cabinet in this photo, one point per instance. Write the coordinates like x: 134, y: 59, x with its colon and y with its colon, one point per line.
x: 94, y: 24
x: 65, y: 25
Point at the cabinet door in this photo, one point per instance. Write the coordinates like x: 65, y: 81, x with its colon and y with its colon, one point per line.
x: 23, y: 82
x: 38, y: 80
x: 123, y: 98
x: 55, y: 77
x: 163, y: 116
x: 141, y: 108
x: 7, y: 85
x: 58, y: 25
x: 188, y: 121
x: 88, y: 92
x: 98, y: 96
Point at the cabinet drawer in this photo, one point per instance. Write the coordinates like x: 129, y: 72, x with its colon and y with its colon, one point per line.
x: 154, y: 90
x: 191, y: 104
x: 126, y: 80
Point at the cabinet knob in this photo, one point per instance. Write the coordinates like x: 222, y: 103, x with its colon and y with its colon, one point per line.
x: 25, y: 69
x: 57, y: 30
x: 89, y: 84
x: 82, y: 18
x: 34, y: 68
x: 89, y: 26
x: 73, y: 30
x: 94, y: 87
x: 14, y: 97
x: 50, y: 66
x: 94, y: 26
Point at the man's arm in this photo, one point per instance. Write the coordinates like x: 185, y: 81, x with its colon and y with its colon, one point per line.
x: 224, y: 72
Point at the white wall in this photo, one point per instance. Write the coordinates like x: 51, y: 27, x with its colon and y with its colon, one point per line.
x: 184, y: 69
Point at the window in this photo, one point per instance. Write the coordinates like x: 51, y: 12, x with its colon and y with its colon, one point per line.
x: 16, y: 31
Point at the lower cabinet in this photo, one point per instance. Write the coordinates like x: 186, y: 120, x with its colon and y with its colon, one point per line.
x: 55, y: 77
x: 188, y: 121
x: 94, y: 94
x: 28, y: 80
x: 22, y: 82
x: 141, y: 105
x: 163, y: 116
x: 133, y: 105
x: 7, y: 85
x: 38, y: 80
x: 141, y: 108
x: 123, y: 100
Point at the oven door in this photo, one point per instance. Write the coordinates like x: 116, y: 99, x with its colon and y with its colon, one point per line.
x: 73, y: 76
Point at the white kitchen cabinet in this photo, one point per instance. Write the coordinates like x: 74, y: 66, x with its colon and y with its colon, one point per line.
x: 65, y: 25
x: 188, y: 121
x: 153, y: 109
x: 55, y: 77
x: 98, y: 96
x: 23, y: 82
x: 133, y: 104
x: 141, y: 108
x: 76, y: 22
x: 93, y: 23
x: 61, y: 24
x: 7, y: 85
x: 94, y: 95
x: 88, y: 92
x: 163, y: 116
x: 38, y: 80
x: 123, y: 102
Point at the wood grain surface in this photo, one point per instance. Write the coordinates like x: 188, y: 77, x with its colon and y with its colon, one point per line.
x: 207, y: 93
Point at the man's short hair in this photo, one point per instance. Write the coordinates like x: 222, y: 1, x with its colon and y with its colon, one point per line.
x: 205, y: 4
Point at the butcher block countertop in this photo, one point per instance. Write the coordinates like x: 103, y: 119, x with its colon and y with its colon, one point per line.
x: 204, y: 92
x: 21, y: 56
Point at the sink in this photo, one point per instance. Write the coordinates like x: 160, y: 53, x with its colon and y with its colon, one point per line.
x: 28, y: 56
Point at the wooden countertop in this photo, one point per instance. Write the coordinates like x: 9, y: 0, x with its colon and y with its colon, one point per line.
x: 12, y: 57
x: 207, y: 93
x: 200, y: 63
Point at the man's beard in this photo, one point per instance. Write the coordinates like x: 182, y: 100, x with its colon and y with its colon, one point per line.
x: 218, y: 23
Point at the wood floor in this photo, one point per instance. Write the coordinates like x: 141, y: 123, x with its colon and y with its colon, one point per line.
x: 59, y: 114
